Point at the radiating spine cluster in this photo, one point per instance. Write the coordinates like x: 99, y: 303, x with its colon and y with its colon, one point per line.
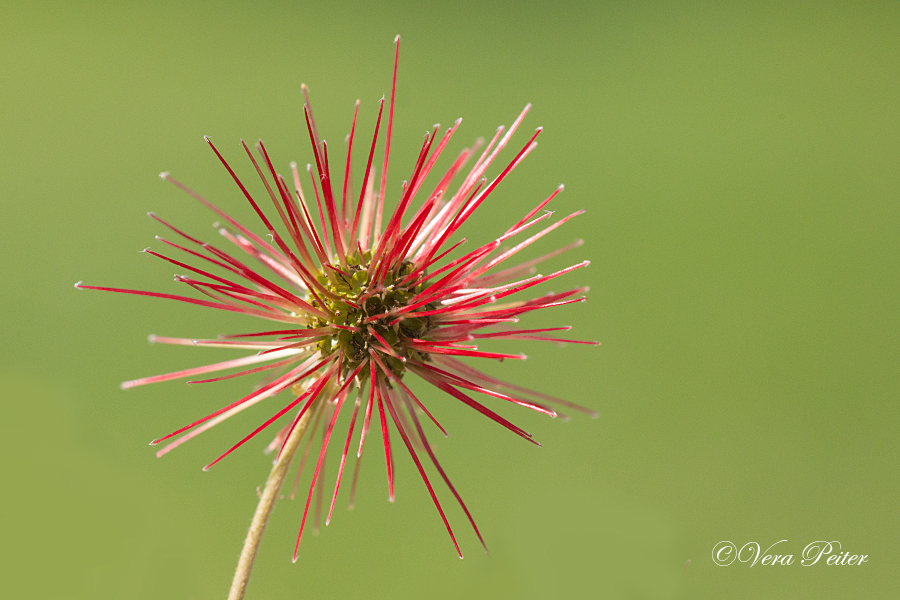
x: 363, y: 302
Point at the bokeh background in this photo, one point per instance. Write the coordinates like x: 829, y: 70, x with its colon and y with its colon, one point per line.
x: 739, y: 167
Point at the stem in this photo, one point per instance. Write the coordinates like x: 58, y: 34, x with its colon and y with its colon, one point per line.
x: 264, y: 509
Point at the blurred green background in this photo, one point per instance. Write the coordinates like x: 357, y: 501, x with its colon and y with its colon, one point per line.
x: 739, y: 166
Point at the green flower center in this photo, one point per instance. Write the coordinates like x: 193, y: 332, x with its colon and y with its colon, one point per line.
x: 367, y: 318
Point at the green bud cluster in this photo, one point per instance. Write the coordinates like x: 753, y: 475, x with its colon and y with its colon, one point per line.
x: 352, y: 284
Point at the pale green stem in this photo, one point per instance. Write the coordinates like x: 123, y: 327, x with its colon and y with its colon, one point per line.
x: 264, y: 509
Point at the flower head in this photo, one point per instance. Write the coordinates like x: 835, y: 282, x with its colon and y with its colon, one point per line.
x: 363, y: 299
